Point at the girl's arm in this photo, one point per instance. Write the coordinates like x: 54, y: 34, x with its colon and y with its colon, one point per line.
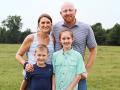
x: 53, y: 82
x: 74, y: 82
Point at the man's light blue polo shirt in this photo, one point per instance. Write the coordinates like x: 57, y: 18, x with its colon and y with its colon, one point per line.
x: 82, y: 33
x: 66, y: 65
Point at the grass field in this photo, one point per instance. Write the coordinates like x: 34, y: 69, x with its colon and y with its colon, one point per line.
x: 105, y: 74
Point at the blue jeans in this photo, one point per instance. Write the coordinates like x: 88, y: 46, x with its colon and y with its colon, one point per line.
x: 82, y: 85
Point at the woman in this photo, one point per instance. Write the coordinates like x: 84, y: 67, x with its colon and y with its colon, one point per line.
x: 32, y: 41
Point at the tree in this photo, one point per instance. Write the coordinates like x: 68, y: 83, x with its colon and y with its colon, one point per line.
x: 24, y: 34
x: 13, y: 25
x: 100, y: 33
x: 113, y: 37
x: 2, y: 35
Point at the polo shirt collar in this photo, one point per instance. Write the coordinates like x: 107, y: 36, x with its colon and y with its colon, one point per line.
x: 65, y: 25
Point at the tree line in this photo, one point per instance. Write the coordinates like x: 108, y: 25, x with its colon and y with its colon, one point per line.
x: 107, y: 36
x: 10, y: 32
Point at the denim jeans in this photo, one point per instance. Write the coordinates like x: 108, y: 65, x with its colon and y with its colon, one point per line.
x: 82, y: 85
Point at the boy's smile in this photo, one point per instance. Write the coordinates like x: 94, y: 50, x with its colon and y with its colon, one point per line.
x: 41, y: 57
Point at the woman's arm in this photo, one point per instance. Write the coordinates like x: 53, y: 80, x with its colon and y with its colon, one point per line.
x: 23, y: 48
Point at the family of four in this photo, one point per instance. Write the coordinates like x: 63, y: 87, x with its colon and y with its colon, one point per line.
x: 55, y: 54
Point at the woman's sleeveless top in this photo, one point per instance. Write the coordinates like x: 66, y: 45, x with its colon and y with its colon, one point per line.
x: 34, y: 45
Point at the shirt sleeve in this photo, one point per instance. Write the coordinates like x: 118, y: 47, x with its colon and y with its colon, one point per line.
x: 28, y: 76
x: 91, y: 42
x: 80, y: 65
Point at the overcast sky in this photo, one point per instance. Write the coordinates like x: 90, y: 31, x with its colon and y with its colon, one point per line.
x: 106, y: 12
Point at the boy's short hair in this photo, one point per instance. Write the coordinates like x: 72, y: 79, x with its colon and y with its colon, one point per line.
x: 41, y: 47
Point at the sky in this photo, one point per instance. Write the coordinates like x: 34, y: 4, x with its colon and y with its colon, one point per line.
x: 106, y: 12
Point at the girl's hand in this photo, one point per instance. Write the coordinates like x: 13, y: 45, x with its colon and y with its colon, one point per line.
x: 84, y: 75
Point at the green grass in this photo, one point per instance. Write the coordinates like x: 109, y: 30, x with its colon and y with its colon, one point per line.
x: 104, y: 75
x: 10, y: 70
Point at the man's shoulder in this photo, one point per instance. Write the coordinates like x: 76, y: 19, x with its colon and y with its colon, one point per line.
x: 76, y: 53
x: 83, y: 24
x: 58, y: 24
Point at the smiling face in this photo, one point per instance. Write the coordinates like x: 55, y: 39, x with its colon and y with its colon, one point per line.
x: 66, y: 39
x: 68, y: 13
x: 41, y: 55
x: 45, y: 25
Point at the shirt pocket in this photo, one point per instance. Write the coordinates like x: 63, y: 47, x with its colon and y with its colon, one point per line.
x: 58, y: 63
x: 59, y: 68
x: 72, y: 66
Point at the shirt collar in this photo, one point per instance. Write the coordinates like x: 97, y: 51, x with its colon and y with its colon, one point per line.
x: 68, y: 52
x: 65, y: 25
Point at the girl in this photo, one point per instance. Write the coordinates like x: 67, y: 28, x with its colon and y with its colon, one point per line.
x: 68, y: 64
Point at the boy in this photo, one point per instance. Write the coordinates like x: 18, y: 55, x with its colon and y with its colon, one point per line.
x: 41, y: 77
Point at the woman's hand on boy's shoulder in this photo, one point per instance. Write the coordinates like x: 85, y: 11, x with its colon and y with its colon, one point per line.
x: 29, y: 67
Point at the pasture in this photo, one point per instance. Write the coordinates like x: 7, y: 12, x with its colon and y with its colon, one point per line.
x: 104, y: 75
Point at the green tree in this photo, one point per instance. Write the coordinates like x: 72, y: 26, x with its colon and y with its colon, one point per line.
x: 113, y: 36
x: 24, y: 34
x: 13, y: 25
x: 2, y: 35
x: 100, y: 33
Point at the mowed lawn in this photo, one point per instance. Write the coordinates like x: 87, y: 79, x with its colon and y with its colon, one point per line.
x: 104, y: 75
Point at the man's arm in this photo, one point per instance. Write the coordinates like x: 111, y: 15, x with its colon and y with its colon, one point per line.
x: 91, y: 58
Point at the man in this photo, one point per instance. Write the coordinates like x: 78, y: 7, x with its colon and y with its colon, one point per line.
x: 83, y: 37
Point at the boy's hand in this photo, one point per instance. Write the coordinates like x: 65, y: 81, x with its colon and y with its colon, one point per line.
x: 84, y: 75
x: 29, y: 67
